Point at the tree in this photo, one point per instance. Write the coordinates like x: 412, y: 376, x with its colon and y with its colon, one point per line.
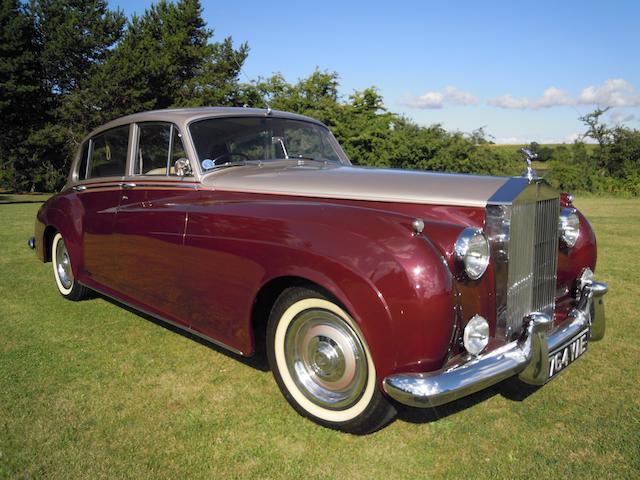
x: 71, y: 65
x: 49, y: 50
x: 74, y: 36
x: 600, y: 132
x: 164, y: 60
x: 21, y: 91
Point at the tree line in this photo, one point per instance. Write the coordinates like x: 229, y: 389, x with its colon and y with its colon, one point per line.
x: 67, y: 66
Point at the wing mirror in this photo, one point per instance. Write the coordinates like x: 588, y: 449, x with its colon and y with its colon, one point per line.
x: 183, y: 167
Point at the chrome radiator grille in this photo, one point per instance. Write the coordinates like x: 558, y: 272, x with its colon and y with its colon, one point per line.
x: 524, y: 238
x: 532, y: 257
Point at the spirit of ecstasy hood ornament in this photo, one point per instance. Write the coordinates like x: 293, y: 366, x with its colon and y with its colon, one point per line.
x: 529, y: 155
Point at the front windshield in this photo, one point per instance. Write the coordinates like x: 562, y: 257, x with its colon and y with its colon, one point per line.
x: 229, y: 141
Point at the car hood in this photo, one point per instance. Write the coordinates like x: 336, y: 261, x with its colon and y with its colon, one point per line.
x: 358, y: 183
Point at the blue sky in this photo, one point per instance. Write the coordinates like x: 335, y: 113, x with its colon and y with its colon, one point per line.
x: 523, y: 71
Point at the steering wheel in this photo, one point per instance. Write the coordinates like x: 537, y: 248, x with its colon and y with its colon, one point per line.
x: 230, y: 155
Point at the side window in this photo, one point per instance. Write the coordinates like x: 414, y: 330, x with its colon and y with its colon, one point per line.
x: 159, y: 146
x: 108, y: 153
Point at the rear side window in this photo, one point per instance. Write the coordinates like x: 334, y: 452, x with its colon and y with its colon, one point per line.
x: 159, y: 146
x: 106, y: 154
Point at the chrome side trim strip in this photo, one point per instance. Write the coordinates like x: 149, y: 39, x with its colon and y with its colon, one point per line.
x: 527, y: 357
x: 168, y: 186
x: 170, y: 322
x: 138, y: 184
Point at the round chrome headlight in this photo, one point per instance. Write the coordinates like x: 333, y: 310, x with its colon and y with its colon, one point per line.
x: 569, y: 226
x: 472, y: 252
x: 476, y: 335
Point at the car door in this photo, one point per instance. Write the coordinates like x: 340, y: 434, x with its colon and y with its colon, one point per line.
x: 101, y: 170
x: 151, y: 221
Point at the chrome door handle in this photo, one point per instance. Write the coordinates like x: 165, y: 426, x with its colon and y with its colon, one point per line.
x: 128, y: 186
x: 79, y: 188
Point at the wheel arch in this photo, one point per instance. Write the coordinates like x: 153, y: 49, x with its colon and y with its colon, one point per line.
x: 47, y: 241
x: 363, y: 303
x: 55, y: 220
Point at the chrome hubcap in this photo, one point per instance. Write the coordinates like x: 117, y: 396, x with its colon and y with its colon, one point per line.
x: 326, y: 359
x: 63, y: 265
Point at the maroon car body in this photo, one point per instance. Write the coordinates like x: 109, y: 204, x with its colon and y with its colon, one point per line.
x: 212, y: 251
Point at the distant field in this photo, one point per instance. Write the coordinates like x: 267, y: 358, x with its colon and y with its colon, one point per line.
x: 541, y: 168
x: 517, y: 147
x: 93, y: 390
x: 6, y: 197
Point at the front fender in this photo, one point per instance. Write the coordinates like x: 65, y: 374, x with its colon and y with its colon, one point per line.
x: 55, y: 213
x: 395, y: 284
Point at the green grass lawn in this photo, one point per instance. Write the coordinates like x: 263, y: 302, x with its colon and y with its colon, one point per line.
x: 92, y: 390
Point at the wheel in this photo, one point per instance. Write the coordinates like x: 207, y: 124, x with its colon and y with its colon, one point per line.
x: 322, y: 364
x: 62, y: 272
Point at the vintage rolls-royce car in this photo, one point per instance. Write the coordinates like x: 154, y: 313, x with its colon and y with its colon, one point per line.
x: 365, y: 287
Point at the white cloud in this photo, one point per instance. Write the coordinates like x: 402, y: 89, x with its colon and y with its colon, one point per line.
x: 434, y: 100
x: 551, y: 97
x: 429, y: 100
x: 459, y: 97
x: 508, y: 101
x: 615, y: 92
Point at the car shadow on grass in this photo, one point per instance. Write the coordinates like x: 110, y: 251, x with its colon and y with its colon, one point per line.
x: 257, y: 361
x: 511, y: 388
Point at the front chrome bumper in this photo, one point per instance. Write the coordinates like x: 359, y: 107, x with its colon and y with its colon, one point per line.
x: 527, y: 357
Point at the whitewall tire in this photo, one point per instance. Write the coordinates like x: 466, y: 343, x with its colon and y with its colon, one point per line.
x: 322, y: 363
x: 62, y: 271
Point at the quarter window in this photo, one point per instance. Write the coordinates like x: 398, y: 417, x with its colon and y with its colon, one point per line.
x: 107, y: 154
x: 159, y: 146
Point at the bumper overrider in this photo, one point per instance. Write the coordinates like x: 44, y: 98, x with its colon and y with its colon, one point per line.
x: 527, y: 357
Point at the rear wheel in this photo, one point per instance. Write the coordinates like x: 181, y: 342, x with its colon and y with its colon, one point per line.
x: 63, y: 273
x: 322, y: 364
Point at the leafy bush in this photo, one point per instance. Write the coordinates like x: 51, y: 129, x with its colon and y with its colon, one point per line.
x: 611, y: 166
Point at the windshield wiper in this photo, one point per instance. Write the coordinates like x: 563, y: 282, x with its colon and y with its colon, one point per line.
x: 235, y: 163
x: 313, y: 159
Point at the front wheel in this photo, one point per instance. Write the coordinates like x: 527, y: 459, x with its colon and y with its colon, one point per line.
x: 63, y: 274
x: 322, y: 364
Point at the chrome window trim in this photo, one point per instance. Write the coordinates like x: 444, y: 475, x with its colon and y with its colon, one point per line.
x: 182, y: 118
x: 74, y: 178
x: 136, y: 140
x: 333, y: 141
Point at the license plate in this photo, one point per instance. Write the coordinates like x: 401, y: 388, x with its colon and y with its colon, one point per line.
x: 562, y: 357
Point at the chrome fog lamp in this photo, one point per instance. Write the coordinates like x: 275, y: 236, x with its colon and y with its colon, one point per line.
x: 476, y: 335
x: 569, y: 226
x: 472, y: 252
